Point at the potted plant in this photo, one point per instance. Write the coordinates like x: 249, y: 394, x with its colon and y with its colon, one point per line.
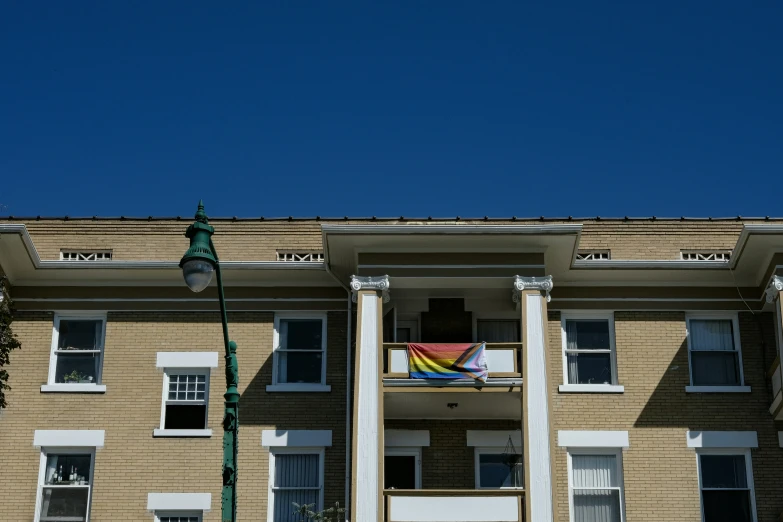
x: 73, y: 377
x: 332, y: 514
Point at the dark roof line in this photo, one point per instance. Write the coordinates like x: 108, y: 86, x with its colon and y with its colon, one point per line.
x: 378, y: 219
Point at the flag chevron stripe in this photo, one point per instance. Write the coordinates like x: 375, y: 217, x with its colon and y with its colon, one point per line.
x: 447, y: 361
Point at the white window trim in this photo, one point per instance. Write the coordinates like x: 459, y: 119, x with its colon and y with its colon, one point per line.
x: 722, y: 439
x: 406, y: 438
x: 397, y: 451
x: 614, y: 387
x: 748, y: 471
x: 577, y: 439
x: 163, y: 432
x: 734, y: 317
x: 296, y: 438
x: 190, y: 513
x: 299, y: 387
x: 98, y: 386
x: 617, y: 452
x: 61, y: 450
x: 490, y: 450
x: 296, y: 451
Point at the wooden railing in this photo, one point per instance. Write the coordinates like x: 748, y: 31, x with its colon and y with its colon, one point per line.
x: 775, y: 375
x: 475, y: 505
x: 503, y: 359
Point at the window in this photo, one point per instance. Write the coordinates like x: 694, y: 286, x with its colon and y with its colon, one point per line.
x: 295, y: 476
x: 498, y: 469
x: 589, y: 349
x: 300, y: 351
x: 85, y: 255
x: 402, y: 468
x: 178, y: 517
x: 186, y: 396
x: 595, y: 487
x: 498, y: 330
x: 726, y: 482
x: 593, y: 255
x: 77, y: 350
x: 65, y: 486
x: 714, y: 351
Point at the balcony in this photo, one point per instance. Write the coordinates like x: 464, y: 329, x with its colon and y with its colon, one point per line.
x: 775, y: 374
x: 454, y: 505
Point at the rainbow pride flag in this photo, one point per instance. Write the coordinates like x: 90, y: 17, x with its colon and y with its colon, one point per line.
x: 447, y: 361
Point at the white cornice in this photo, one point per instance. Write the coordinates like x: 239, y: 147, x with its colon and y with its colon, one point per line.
x: 452, y: 229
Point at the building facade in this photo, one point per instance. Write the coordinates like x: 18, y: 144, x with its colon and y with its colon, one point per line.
x: 633, y: 370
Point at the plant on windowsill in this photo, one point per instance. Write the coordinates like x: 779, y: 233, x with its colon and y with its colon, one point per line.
x: 332, y: 514
x: 77, y: 377
x: 8, y: 340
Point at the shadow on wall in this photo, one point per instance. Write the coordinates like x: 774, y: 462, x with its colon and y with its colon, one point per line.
x: 670, y: 406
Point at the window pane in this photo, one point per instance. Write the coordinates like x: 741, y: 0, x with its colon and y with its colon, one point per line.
x: 61, y: 468
x: 499, y: 331
x: 723, y: 471
x: 399, y: 472
x: 178, y: 519
x: 60, y: 504
x: 726, y: 506
x: 589, y: 368
x: 296, y: 470
x: 595, y: 471
x: 588, y: 334
x: 78, y: 335
x: 300, y: 334
x: 500, y: 471
x: 284, y: 504
x: 187, y: 387
x: 711, y: 335
x: 300, y: 367
x: 715, y: 369
x: 596, y: 505
x: 74, y: 368
x: 186, y: 417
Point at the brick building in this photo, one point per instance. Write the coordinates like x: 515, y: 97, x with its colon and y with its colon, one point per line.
x: 634, y: 370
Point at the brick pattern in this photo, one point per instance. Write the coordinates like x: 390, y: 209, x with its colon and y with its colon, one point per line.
x: 449, y: 463
x: 660, y: 473
x: 133, y: 463
x: 259, y: 241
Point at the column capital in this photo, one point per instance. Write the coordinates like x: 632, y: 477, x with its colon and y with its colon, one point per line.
x: 774, y: 288
x: 377, y: 283
x: 532, y: 283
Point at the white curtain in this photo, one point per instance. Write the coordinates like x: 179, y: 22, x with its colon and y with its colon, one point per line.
x: 299, y: 478
x: 497, y: 331
x: 711, y: 335
x: 51, y: 469
x: 572, y: 344
x: 714, y: 361
x: 596, y: 488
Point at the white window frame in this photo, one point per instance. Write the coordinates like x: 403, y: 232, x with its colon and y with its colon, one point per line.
x: 273, y: 452
x: 163, y: 514
x: 745, y: 452
x: 163, y: 432
x: 618, y: 454
x: 57, y: 450
x: 734, y: 317
x: 98, y: 386
x: 407, y: 452
x: 298, y: 387
x: 583, y: 315
x: 491, y: 450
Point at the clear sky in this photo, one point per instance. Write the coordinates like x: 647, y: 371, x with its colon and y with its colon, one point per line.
x: 388, y: 108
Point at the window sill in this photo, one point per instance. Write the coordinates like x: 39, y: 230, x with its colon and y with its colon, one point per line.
x: 73, y: 388
x: 313, y: 388
x: 717, y: 389
x: 181, y: 433
x: 591, y: 388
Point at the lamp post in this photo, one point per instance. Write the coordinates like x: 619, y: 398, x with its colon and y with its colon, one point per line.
x: 198, y: 264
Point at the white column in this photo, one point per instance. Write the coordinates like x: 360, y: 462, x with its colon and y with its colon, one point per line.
x: 773, y: 296
x: 530, y: 293
x: 367, y: 481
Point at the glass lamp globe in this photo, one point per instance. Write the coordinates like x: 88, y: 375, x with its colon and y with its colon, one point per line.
x: 197, y: 274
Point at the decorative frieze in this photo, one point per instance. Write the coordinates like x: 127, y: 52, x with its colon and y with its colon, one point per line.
x: 377, y: 283
x: 544, y: 284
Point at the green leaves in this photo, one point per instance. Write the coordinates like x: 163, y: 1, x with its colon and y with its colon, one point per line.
x: 8, y: 340
x: 332, y: 514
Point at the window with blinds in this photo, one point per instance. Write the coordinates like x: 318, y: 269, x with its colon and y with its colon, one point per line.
x: 714, y: 352
x: 297, y: 479
x: 596, y: 488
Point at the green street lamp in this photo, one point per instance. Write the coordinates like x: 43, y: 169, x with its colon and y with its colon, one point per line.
x: 198, y: 264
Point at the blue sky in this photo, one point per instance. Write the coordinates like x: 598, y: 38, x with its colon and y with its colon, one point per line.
x: 391, y: 108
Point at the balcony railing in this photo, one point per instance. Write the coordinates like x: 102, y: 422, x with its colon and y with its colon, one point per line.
x: 447, y: 505
x: 504, y: 361
x: 775, y: 375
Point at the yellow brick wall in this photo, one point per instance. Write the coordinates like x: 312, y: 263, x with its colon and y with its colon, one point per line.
x: 661, y: 482
x: 133, y: 463
x: 260, y: 240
